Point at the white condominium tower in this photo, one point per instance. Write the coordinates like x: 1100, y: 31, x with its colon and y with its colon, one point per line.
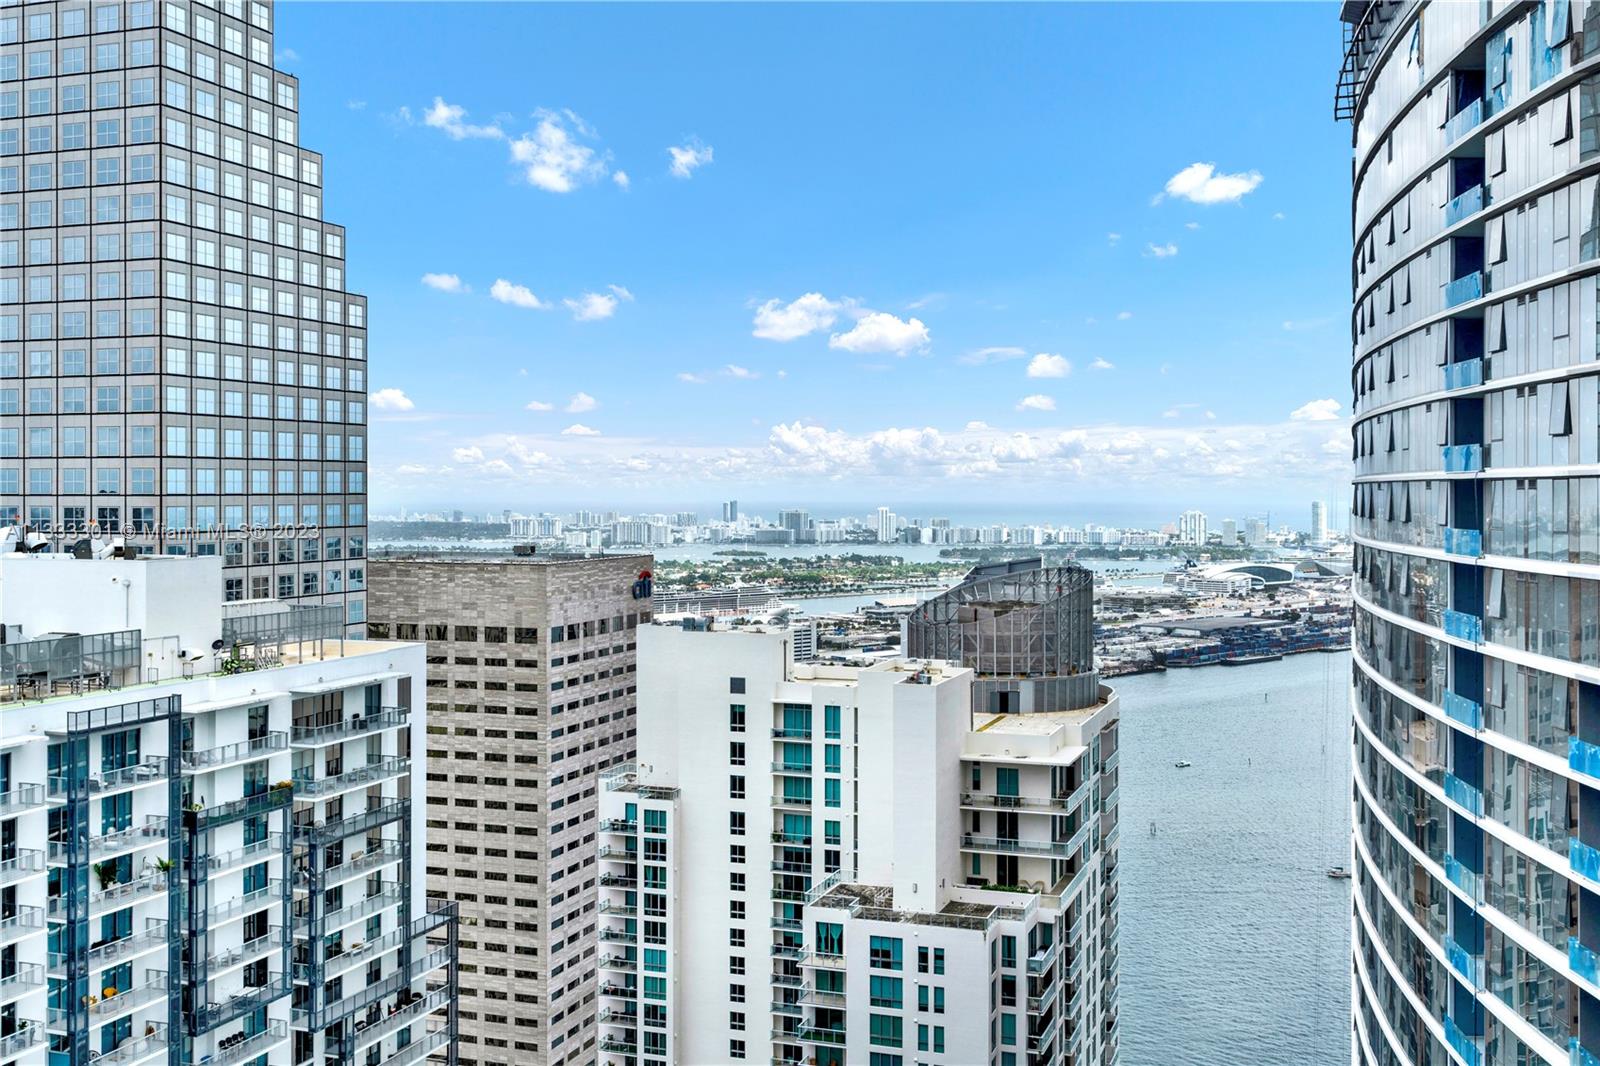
x: 1192, y: 528
x: 180, y: 361
x: 1476, y: 794
x: 211, y: 839
x: 836, y: 864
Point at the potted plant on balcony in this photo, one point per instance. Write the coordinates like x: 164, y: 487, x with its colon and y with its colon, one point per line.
x: 283, y: 784
x: 164, y: 865
x: 106, y: 872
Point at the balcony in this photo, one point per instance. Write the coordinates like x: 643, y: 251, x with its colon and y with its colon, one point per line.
x: 248, y: 903
x: 822, y: 960
x: 251, y: 1047
x: 797, y: 733
x: 380, y: 770
x: 29, y: 977
x: 616, y: 854
x: 268, y: 847
x: 1467, y: 880
x: 618, y: 825
x: 616, y: 991
x: 359, y: 862
x: 120, y: 894
x: 116, y: 841
x: 1054, y: 849
x: 1584, y: 859
x: 201, y: 819
x: 1578, y: 1054
x: 1044, y: 958
x: 1463, y: 794
x: 618, y: 936
x: 149, y: 771
x: 136, y: 1049
x: 795, y: 769
x: 1583, y: 961
x: 1463, y: 626
x: 1041, y: 804
x: 1464, y: 289
x: 812, y: 1034
x: 129, y: 999
x: 1467, y: 204
x: 231, y: 754
x: 1463, y: 122
x: 315, y: 736
x: 267, y: 943
x: 610, y: 907
x: 240, y: 1002
x: 1583, y: 756
x: 803, y: 802
x: 1462, y: 458
x: 24, y: 922
x: 1464, y: 962
x: 618, y: 962
x: 24, y: 862
x: 1464, y: 1045
x: 320, y: 833
x: 1463, y: 375
x: 618, y: 881
x: 399, y: 1017
x: 1461, y: 709
x: 153, y: 936
x: 20, y: 800
x: 389, y: 897
x: 28, y: 1034
x: 1463, y: 541
x: 618, y: 1045
x: 420, y: 1049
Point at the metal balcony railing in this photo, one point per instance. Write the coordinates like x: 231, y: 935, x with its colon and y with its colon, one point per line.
x: 362, y: 725
x: 240, y: 751
x: 379, y: 770
x: 148, y: 771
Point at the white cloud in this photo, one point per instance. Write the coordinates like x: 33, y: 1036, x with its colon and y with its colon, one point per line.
x: 593, y: 306
x: 581, y: 402
x: 879, y: 331
x: 516, y: 295
x: 1101, y: 363
x: 620, y: 179
x: 578, y: 429
x: 356, y: 105
x: 450, y: 119
x: 288, y: 55
x: 1036, y: 402
x: 472, y: 454
x: 687, y: 158
x: 554, y: 156
x: 1123, y: 316
x: 411, y: 469
x: 997, y: 354
x: 1162, y: 251
x: 390, y: 400
x: 1191, y: 225
x: 741, y: 372
x: 444, y: 282
x: 691, y: 379
x: 1045, y: 365
x: 1201, y: 184
x: 975, y: 426
x: 1278, y: 216
x: 539, y: 405
x: 1113, y: 238
x: 1317, y: 411
x: 777, y: 321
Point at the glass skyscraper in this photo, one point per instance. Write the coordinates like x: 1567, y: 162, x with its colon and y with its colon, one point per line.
x: 180, y: 361
x: 1476, y: 519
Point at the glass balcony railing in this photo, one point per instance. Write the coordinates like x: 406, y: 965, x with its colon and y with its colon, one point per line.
x: 24, y: 921
x: 150, y: 771
x: 136, y: 1049
x: 20, y: 799
x: 227, y: 754
x: 25, y: 978
x: 247, y: 903
x: 379, y: 770
x: 1464, y: 962
x: 1464, y: 1045
x: 1468, y: 203
x: 1464, y: 878
x: 1583, y: 961
x: 24, y: 862
x: 115, y: 841
x: 251, y: 1047
x: 1583, y: 756
x: 1060, y: 849
x: 1463, y: 794
x: 1463, y: 626
x: 348, y: 728
x: 1463, y: 375
x: 1578, y: 1055
x: 1463, y: 541
x: 1468, y: 712
x: 266, y: 847
x: 1462, y: 458
x: 789, y: 766
x: 1464, y: 289
x: 1463, y: 122
x: 29, y: 1033
x: 197, y: 819
x: 1584, y: 859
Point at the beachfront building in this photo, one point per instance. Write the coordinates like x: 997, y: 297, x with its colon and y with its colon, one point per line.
x: 210, y: 828
x: 828, y: 863
x: 1476, y: 792
x: 531, y: 685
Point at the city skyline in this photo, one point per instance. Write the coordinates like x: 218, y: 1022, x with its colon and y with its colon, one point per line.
x: 1007, y: 315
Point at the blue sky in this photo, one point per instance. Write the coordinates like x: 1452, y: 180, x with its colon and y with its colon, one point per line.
x: 840, y: 254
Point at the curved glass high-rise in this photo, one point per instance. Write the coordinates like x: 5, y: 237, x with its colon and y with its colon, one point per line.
x: 1476, y: 514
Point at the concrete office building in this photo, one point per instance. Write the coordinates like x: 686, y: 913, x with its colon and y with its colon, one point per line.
x: 208, y: 856
x: 895, y: 805
x: 531, y: 687
x: 180, y: 358
x: 1476, y: 792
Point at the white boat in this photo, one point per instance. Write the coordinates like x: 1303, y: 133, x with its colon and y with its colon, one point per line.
x: 1338, y: 873
x: 1183, y: 764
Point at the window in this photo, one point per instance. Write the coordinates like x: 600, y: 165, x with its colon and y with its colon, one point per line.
x: 885, y: 1030
x: 736, y: 686
x: 887, y: 992
x: 736, y: 718
x: 884, y: 953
